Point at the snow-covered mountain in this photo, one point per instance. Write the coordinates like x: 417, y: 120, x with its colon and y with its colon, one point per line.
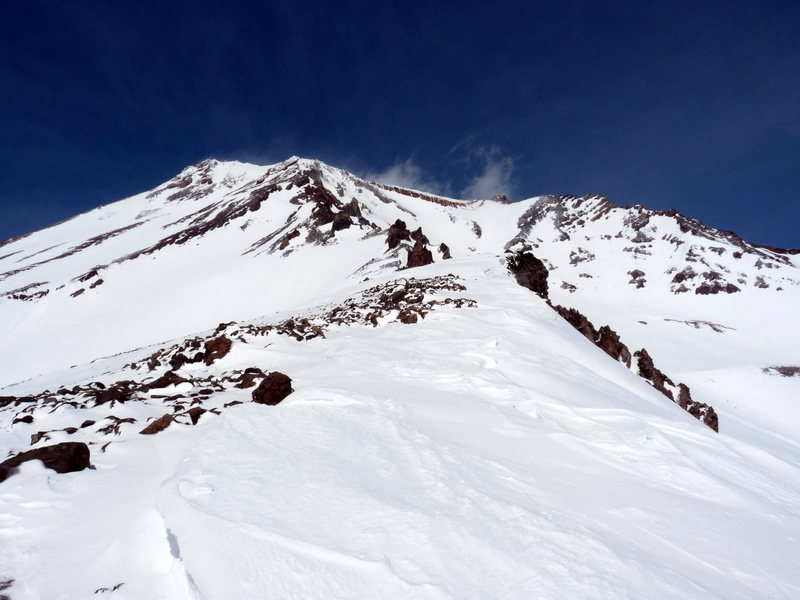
x: 450, y: 434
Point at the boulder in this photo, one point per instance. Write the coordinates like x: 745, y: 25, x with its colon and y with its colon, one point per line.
x: 160, y: 424
x: 273, y: 389
x: 67, y: 457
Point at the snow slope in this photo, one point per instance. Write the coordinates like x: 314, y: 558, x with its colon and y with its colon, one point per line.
x: 486, y: 451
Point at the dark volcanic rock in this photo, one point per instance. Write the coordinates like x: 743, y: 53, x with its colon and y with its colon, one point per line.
x: 783, y: 371
x: 195, y: 413
x: 273, y: 389
x: 578, y: 320
x: 248, y: 378
x: 647, y: 370
x: 177, y: 361
x: 407, y: 316
x: 608, y: 341
x: 66, y: 457
x: 397, y: 233
x: 288, y: 238
x: 530, y: 272
x: 420, y: 237
x: 715, y: 287
x: 419, y: 256
x: 160, y: 424
x: 217, y: 348
x: 445, y: 250
x: 120, y: 391
x: 167, y: 379
x: 604, y: 338
x: 340, y: 221
x: 699, y: 410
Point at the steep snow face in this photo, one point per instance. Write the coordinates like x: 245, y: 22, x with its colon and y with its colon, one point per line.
x: 453, y: 439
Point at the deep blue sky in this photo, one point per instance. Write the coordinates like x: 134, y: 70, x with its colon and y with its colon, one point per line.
x: 687, y: 105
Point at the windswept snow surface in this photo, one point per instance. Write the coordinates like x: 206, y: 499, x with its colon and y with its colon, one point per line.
x: 483, y: 452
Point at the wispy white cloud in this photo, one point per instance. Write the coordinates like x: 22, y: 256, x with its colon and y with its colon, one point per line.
x: 495, y: 176
x: 408, y: 174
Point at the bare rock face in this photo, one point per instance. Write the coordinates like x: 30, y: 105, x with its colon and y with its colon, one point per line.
x: 418, y: 236
x: 159, y: 424
x: 340, y: 221
x: 530, y: 272
x: 703, y: 412
x: 604, y: 338
x: 273, y: 389
x: 699, y: 410
x: 608, y: 341
x: 217, y: 348
x: 419, y: 256
x: 398, y: 232
x: 578, y: 320
x: 648, y: 370
x: 445, y: 251
x: 67, y: 457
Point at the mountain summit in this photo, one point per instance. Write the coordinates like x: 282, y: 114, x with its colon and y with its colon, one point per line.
x: 293, y: 382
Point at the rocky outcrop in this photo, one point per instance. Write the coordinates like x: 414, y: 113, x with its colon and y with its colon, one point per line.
x: 217, y: 348
x: 420, y: 237
x: 419, y: 255
x: 604, y: 338
x: 609, y: 342
x: 249, y: 377
x: 699, y: 410
x: 445, y: 251
x: 715, y: 287
x: 783, y: 371
x: 530, y: 272
x: 680, y: 394
x: 67, y: 457
x: 167, y: 379
x: 120, y: 391
x: 158, y: 425
x: 397, y: 233
x: 647, y: 370
x: 273, y: 389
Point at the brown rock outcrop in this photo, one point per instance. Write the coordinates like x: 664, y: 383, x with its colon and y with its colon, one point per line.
x: 160, y: 424
x: 419, y: 256
x: 217, y: 348
x: 273, y: 389
x: 66, y: 457
x: 397, y: 233
x: 530, y: 272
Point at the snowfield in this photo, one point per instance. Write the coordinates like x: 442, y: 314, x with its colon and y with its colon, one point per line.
x: 488, y: 450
